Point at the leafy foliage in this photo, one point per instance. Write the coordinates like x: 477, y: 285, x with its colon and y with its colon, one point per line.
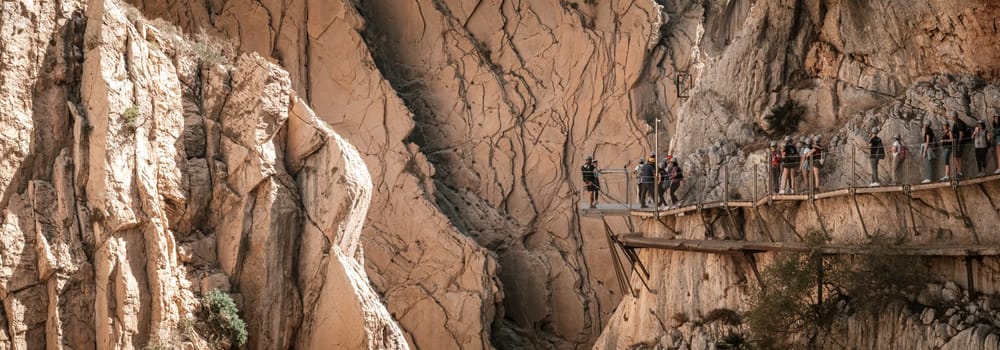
x: 130, y: 118
x: 223, y: 318
x: 786, y: 313
x: 784, y: 118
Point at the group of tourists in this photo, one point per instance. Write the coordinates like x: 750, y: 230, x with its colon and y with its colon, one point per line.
x: 956, y: 135
x: 799, y: 162
x: 653, y: 180
x: 802, y: 159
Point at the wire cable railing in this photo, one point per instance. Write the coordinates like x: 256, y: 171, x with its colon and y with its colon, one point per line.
x: 846, y: 165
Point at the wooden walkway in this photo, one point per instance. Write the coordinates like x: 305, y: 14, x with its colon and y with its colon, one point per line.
x: 733, y: 247
x: 618, y: 209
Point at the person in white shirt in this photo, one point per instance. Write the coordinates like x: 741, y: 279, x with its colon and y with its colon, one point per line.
x: 898, y: 155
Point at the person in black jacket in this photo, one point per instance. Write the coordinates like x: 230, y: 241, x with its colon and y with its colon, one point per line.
x: 789, y: 162
x: 676, y: 176
x: 876, y: 152
x: 962, y: 136
x: 647, y: 178
x: 590, y: 180
x: 662, y: 182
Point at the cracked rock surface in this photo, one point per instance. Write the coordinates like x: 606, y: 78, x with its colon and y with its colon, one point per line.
x: 146, y: 176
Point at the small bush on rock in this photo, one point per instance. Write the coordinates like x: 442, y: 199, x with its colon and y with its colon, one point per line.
x: 223, y: 319
x: 784, y: 118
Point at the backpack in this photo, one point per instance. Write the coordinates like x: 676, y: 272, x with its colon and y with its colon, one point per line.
x: 818, y: 155
x: 775, y: 159
x: 902, y: 151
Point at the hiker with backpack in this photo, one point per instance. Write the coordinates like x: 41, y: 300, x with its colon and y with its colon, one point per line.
x: 774, y: 175
x: 662, y: 181
x: 816, y: 155
x: 876, y: 152
x: 676, y: 177
x: 898, y: 155
x: 591, y: 182
x: 789, y: 162
x: 981, y: 141
x: 961, y: 135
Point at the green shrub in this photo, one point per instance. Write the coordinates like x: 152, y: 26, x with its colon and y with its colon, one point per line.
x: 786, y: 314
x: 130, y: 118
x: 784, y: 118
x: 223, y: 317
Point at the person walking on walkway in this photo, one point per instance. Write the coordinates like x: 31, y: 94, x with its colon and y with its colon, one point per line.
x: 676, y: 177
x: 927, y: 151
x: 960, y: 136
x: 816, y: 154
x: 591, y: 183
x: 980, y: 140
x: 647, y: 179
x: 805, y: 156
x: 876, y: 153
x: 996, y: 140
x: 662, y: 182
x: 789, y: 162
x: 638, y: 178
x: 774, y: 175
x: 898, y: 156
x: 947, y: 141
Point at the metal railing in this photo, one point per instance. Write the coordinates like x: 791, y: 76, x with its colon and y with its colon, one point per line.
x: 752, y: 178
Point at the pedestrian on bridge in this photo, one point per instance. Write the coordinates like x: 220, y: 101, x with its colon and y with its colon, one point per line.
x: 898, y: 156
x: 676, y: 177
x: 590, y: 180
x: 980, y: 140
x: 638, y: 177
x: 789, y: 162
x: 647, y: 177
x: 947, y: 144
x: 876, y: 152
x: 774, y: 176
x: 805, y: 164
x: 927, y: 151
x: 816, y: 155
x: 961, y: 135
x: 662, y: 181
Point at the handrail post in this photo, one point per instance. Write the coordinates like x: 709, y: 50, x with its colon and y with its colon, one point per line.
x: 854, y: 165
x: 628, y: 188
x: 756, y: 168
x: 725, y: 184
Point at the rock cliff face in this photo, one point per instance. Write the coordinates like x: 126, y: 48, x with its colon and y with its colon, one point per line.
x: 141, y: 170
x: 505, y: 99
x: 148, y: 170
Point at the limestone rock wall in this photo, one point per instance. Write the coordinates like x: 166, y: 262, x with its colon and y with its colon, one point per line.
x: 147, y: 175
x: 506, y: 98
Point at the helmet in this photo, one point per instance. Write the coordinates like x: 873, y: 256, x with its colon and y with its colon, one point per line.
x: 875, y: 130
x: 816, y: 138
x: 774, y: 144
x: 897, y: 137
x: 927, y: 122
x: 788, y: 139
x: 642, y: 161
x: 590, y: 158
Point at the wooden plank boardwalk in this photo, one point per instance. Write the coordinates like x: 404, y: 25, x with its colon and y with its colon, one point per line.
x: 619, y: 209
x: 636, y: 240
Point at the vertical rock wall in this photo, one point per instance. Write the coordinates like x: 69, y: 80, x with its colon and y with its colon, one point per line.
x: 154, y: 174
